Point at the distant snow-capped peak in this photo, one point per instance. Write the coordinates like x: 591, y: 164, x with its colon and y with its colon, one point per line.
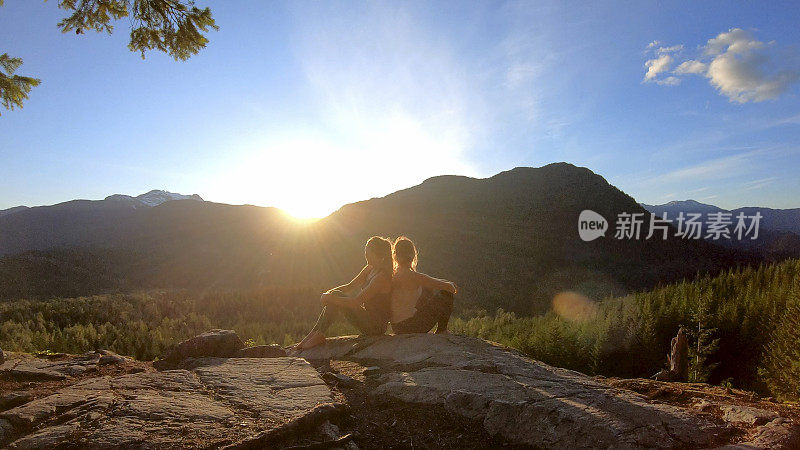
x: 686, y: 206
x: 153, y: 198
x: 157, y: 197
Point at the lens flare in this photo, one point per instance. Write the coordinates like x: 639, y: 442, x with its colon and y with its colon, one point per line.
x: 574, y: 306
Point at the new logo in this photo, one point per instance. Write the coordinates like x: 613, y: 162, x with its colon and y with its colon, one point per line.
x: 591, y: 225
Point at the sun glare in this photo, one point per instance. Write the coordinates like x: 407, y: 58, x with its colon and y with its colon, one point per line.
x: 309, y: 211
x: 310, y: 175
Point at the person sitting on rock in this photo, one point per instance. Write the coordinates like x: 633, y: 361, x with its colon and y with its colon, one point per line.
x: 368, y: 309
x: 418, y: 301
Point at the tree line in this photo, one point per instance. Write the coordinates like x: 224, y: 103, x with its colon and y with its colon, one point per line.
x: 743, y: 326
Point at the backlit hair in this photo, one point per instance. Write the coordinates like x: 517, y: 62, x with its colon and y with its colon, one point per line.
x: 381, y: 247
x: 404, y: 253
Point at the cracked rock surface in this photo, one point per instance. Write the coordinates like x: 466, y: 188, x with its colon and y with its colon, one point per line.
x: 48, y: 368
x: 528, y: 402
x: 246, y: 402
x: 213, y: 402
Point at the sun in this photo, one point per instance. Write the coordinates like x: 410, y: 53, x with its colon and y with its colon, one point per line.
x: 308, y: 210
x: 310, y: 174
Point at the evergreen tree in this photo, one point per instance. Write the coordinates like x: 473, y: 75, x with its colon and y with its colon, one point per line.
x: 628, y: 337
x: 781, y: 368
x: 175, y: 27
x: 13, y: 88
x: 704, y: 344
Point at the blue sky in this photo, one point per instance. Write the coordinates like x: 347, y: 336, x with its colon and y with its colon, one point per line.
x: 310, y: 105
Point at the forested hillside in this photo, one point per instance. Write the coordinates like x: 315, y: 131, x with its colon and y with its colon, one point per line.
x: 746, y: 321
x: 510, y: 241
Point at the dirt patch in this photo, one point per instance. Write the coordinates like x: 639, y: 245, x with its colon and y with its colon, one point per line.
x: 689, y: 394
x: 706, y: 400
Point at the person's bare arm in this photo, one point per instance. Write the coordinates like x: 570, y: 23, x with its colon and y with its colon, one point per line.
x: 357, y: 281
x: 377, y: 285
x: 438, y: 284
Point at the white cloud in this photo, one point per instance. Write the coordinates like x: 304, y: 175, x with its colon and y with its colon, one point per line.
x: 656, y: 66
x: 522, y: 57
x: 697, y: 191
x: 669, y: 81
x: 743, y: 79
x: 673, y: 49
x: 718, y: 168
x: 739, y: 66
x: 691, y: 66
x: 735, y: 41
x: 758, y: 184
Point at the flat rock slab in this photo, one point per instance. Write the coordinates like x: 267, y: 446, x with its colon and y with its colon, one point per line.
x: 13, y: 399
x: 210, y: 403
x: 25, y: 367
x: 525, y: 401
x: 261, y: 351
x: 747, y: 414
x: 247, y: 402
x: 59, y: 367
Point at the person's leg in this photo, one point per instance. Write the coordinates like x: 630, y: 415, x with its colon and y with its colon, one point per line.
x: 324, y: 321
x: 432, y: 309
x: 410, y: 325
x: 317, y: 334
x: 443, y: 302
x: 423, y: 319
x: 364, y: 321
x: 326, y: 318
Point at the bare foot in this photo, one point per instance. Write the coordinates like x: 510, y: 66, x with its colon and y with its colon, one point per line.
x: 294, y: 349
x: 313, y: 341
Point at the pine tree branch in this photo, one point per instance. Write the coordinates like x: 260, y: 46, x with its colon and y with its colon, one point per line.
x: 175, y: 27
x: 14, y: 89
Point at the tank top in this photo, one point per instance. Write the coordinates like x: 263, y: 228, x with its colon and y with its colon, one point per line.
x: 404, y: 303
x: 378, y: 306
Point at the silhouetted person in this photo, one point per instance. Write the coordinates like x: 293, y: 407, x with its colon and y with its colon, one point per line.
x: 419, y: 302
x: 364, y: 301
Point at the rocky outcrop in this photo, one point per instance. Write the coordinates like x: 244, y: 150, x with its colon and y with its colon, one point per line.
x: 530, y: 403
x: 261, y: 351
x: 13, y: 399
x: 218, y: 343
x: 214, y: 402
x: 56, y: 367
x: 245, y: 402
x: 525, y: 401
x: 779, y: 433
x: 747, y: 414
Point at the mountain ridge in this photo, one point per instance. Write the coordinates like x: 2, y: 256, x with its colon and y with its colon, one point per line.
x: 775, y: 219
x: 509, y: 240
x: 779, y: 229
x: 151, y: 198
